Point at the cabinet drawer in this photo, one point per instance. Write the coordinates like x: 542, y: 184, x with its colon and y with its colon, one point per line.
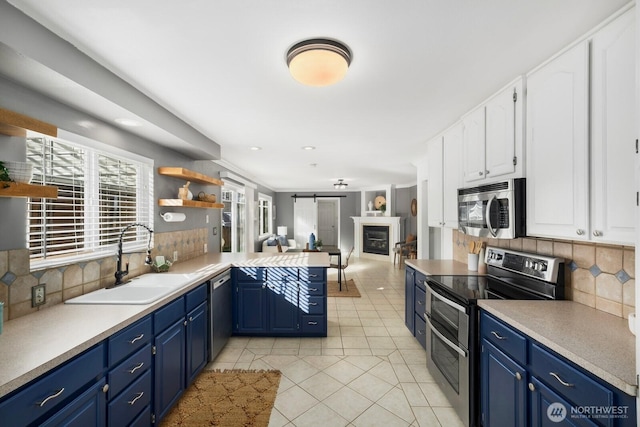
x: 52, y: 389
x: 280, y: 274
x: 315, y: 325
x: 315, y: 274
x: 420, y: 302
x: 577, y: 388
x: 419, y: 279
x: 128, y: 340
x: 195, y: 297
x: 124, y: 409
x: 504, y: 337
x: 421, y: 330
x: 248, y: 274
x: 168, y: 315
x: 129, y: 370
x: 314, y: 288
x: 312, y: 304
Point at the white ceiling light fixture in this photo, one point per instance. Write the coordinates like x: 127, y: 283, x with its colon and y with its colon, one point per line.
x: 340, y: 185
x: 318, y: 62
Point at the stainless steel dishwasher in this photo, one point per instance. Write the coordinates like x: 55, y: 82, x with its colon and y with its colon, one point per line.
x: 220, y: 318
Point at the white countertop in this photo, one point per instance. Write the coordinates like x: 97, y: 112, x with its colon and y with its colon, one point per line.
x: 34, y: 344
x: 598, y: 342
x: 441, y: 267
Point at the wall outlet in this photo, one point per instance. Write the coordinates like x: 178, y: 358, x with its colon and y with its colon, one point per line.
x: 205, y: 248
x: 175, y: 256
x: 207, y: 219
x: 215, y: 231
x: 38, y: 295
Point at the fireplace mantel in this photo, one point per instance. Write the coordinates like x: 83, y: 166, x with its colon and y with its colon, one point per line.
x: 394, y: 234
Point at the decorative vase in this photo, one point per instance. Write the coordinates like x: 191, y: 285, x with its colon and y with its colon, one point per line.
x: 370, y: 204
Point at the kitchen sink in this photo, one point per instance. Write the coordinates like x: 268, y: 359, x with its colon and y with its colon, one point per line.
x: 140, y: 290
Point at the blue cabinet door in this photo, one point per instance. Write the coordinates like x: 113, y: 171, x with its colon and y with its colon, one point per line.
x: 169, y: 368
x: 250, y: 308
x: 88, y: 410
x: 409, y: 299
x: 503, y: 389
x: 284, y: 315
x: 196, y: 341
x: 548, y: 409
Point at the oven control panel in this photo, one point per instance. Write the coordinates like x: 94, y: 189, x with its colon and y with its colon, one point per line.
x: 533, y: 265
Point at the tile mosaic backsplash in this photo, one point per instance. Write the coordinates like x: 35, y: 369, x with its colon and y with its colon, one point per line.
x: 73, y: 280
x: 599, y: 276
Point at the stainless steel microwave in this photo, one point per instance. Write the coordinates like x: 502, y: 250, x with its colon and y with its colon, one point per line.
x: 493, y: 210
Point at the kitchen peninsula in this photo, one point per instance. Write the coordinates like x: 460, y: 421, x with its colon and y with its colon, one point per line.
x: 31, y: 350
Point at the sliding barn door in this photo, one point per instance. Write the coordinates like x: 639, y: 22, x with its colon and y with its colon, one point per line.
x: 305, y: 220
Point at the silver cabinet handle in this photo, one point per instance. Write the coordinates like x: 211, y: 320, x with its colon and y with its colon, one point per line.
x: 518, y: 376
x: 313, y: 303
x: 135, y: 399
x: 135, y: 368
x: 184, y: 323
x: 53, y: 396
x: 138, y: 338
x: 532, y: 387
x: 313, y: 289
x: 597, y: 233
x: 313, y: 275
x: 420, y: 332
x: 564, y: 383
x: 312, y: 323
x: 420, y: 302
x: 480, y: 173
x: 579, y: 232
x: 487, y: 173
x: 190, y: 319
x: 497, y: 335
x: 105, y: 388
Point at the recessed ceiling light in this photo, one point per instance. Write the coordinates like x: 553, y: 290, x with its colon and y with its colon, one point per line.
x: 308, y: 147
x: 127, y: 122
x: 255, y: 148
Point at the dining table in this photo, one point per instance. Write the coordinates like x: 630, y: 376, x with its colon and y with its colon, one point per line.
x: 332, y: 251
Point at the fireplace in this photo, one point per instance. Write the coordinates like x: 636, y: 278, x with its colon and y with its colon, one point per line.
x: 375, y: 239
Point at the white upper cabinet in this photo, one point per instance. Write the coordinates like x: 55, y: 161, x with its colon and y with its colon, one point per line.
x: 557, y: 146
x: 451, y: 174
x: 613, y: 133
x: 493, y: 137
x: 577, y: 190
x: 444, y: 176
x: 434, y: 182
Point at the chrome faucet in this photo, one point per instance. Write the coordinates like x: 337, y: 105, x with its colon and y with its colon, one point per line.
x: 148, y: 261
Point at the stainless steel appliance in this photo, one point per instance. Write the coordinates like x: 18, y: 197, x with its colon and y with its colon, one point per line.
x: 220, y: 316
x: 453, y: 357
x: 493, y: 210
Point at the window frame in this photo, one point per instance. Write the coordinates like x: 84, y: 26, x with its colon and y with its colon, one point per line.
x: 94, y: 247
x: 269, y: 201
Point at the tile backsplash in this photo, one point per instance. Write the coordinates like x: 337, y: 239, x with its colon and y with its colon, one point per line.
x: 62, y: 283
x: 596, y: 275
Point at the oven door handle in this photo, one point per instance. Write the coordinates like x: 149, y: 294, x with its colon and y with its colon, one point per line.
x: 445, y: 300
x: 462, y: 352
x: 493, y: 231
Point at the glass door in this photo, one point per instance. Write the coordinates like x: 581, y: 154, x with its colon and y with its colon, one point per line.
x: 233, y: 220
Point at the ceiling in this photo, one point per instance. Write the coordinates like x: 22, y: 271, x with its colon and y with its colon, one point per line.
x: 219, y: 66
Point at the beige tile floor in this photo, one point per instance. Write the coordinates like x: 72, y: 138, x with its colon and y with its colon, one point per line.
x: 368, y: 371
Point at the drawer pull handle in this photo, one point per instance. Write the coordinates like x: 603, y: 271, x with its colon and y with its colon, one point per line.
x: 564, y: 383
x: 313, y: 303
x: 497, y: 335
x: 313, y: 323
x: 420, y: 332
x: 313, y: 275
x: 518, y: 376
x: 135, y: 399
x: 420, y: 302
x: 313, y: 289
x: 136, y: 368
x: 53, y: 396
x: 138, y: 338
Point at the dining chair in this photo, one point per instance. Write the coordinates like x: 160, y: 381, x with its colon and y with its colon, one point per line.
x: 404, y: 249
x: 343, y: 267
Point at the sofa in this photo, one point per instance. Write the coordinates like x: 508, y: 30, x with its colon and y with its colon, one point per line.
x: 270, y: 244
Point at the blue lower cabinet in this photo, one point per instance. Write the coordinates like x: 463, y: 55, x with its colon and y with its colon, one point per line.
x: 280, y: 301
x: 134, y: 400
x: 409, y: 299
x: 197, y: 341
x: 88, y: 410
x: 549, y: 409
x: 169, y: 368
x: 420, y: 329
x: 504, y: 389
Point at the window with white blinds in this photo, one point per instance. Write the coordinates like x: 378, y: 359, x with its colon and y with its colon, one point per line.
x: 99, y: 194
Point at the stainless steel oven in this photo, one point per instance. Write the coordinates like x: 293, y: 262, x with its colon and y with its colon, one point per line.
x: 451, y: 316
x: 448, y: 348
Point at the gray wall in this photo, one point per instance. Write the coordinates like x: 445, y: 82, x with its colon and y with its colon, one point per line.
x: 349, y: 206
x: 403, y: 209
x: 13, y: 210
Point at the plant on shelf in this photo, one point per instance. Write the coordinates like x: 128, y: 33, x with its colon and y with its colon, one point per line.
x: 4, y: 176
x: 383, y: 208
x: 319, y: 244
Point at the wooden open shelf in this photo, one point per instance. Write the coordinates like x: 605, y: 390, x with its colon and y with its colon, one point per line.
x: 16, y: 189
x: 16, y: 124
x: 189, y: 175
x: 189, y: 203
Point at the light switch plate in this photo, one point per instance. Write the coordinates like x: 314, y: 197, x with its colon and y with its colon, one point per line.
x: 38, y: 295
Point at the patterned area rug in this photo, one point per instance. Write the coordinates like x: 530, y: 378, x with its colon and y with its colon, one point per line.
x: 350, y: 290
x: 226, y: 398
